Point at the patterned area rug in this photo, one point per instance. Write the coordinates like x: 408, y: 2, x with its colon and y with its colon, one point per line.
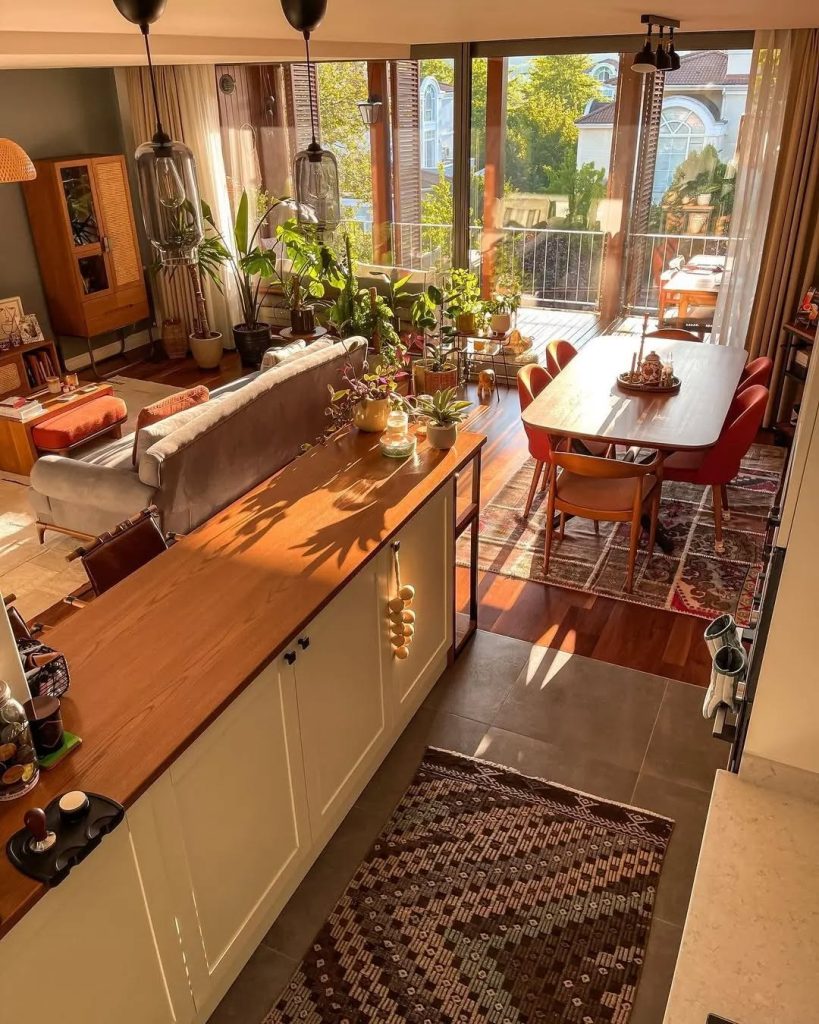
x: 693, y: 579
x: 489, y: 897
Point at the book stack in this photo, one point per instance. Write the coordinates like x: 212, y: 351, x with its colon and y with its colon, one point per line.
x: 22, y: 409
x: 39, y: 365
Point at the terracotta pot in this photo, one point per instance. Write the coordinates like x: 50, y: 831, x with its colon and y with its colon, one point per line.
x: 500, y: 322
x: 207, y: 351
x: 251, y: 343
x: 465, y: 323
x: 371, y: 415
x: 442, y: 437
x: 427, y: 382
x: 303, y: 321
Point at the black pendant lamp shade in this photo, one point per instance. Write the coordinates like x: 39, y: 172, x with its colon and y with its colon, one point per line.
x: 673, y: 56
x: 645, y: 62
x: 315, y: 171
x: 168, y: 188
x: 661, y: 58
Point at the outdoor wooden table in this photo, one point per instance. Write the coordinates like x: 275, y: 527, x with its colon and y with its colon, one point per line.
x: 687, y: 289
x: 585, y: 401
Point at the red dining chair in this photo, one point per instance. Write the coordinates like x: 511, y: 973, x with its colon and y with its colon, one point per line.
x: 674, y: 334
x: 532, y: 379
x: 558, y: 356
x: 716, y: 467
x: 758, y: 371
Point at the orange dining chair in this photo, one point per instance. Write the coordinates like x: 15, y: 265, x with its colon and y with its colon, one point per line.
x: 558, y: 356
x: 674, y: 334
x: 607, y: 490
x: 758, y: 371
x: 532, y: 379
x: 717, y: 466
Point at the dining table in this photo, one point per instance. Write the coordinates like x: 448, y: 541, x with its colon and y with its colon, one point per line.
x: 586, y: 402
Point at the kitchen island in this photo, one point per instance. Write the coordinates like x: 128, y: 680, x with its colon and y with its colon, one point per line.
x: 235, y: 695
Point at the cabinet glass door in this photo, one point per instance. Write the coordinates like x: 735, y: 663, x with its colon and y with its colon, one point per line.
x: 93, y: 274
x: 79, y: 201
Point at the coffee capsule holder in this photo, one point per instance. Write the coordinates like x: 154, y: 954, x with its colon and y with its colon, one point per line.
x: 400, y: 615
x: 74, y: 840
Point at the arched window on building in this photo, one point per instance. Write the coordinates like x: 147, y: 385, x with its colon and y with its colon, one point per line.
x: 682, y: 132
x: 429, y: 125
x: 605, y: 74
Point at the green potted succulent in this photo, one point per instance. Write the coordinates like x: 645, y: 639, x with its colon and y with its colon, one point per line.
x: 444, y: 410
x: 462, y: 300
x: 503, y: 305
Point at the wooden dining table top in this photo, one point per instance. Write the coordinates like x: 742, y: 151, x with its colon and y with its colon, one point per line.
x: 585, y: 401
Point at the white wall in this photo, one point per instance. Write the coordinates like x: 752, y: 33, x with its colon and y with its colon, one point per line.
x: 594, y: 145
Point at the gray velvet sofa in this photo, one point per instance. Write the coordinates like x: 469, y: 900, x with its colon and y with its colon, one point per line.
x: 195, y: 463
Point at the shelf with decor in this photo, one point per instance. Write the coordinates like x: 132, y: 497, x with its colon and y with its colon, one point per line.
x: 798, y: 347
x: 23, y: 369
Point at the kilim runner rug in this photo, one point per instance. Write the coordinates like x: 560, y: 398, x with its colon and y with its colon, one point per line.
x: 489, y: 897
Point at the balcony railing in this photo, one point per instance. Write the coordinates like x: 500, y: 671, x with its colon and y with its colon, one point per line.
x: 555, y: 266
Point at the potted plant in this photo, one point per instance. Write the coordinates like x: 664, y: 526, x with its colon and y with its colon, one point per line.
x: 251, y: 264
x: 444, y: 410
x: 435, y: 369
x: 363, y: 400
x: 312, y: 266
x: 462, y: 301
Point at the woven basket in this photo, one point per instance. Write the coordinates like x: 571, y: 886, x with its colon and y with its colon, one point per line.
x: 174, y: 338
x: 53, y: 679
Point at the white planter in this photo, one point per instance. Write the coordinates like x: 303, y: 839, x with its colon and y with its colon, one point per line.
x: 500, y: 322
x: 442, y: 437
x: 207, y: 351
x: 704, y: 199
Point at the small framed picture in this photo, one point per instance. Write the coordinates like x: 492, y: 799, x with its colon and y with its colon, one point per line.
x: 30, y: 329
x: 11, y: 316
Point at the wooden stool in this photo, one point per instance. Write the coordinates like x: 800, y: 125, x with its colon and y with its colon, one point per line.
x: 68, y: 430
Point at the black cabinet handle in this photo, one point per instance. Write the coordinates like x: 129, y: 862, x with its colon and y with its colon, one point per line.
x: 290, y: 657
x: 304, y: 642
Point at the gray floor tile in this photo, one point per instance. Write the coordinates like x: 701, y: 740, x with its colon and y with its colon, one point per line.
x: 682, y: 748
x: 688, y: 807
x: 257, y: 988
x: 606, y: 711
x: 567, y: 766
x: 658, y: 970
x: 477, y: 683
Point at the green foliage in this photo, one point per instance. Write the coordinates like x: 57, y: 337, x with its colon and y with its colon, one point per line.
x: 444, y: 407
x: 341, y: 85
x: 701, y: 173
x: 582, y: 185
x: 462, y: 295
x: 313, y: 265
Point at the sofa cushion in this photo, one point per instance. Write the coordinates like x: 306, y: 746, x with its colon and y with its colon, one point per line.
x: 166, y: 407
x: 73, y: 426
x: 155, y: 432
x: 276, y: 355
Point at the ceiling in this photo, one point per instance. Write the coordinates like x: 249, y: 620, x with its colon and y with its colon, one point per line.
x: 91, y: 32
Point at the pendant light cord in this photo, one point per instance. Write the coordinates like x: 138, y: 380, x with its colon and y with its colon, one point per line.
x: 159, y: 128
x: 310, y: 86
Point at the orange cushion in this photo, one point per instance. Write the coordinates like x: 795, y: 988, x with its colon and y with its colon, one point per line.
x: 71, y: 427
x: 166, y: 407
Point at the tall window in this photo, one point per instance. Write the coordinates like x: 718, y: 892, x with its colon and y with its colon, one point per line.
x: 682, y: 132
x: 429, y: 127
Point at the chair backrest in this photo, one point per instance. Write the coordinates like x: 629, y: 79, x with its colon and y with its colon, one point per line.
x: 558, y: 355
x: 532, y: 379
x: 721, y: 463
x: 758, y: 371
x: 604, y: 469
x: 129, y: 546
x: 674, y: 333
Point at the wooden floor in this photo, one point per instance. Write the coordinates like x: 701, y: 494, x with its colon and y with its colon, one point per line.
x: 651, y: 640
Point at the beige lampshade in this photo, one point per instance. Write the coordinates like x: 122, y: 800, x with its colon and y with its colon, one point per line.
x: 15, y: 163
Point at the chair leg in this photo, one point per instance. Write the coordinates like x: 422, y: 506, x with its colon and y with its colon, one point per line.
x: 632, y: 551
x: 562, y: 532
x: 719, y: 546
x: 532, y: 489
x: 596, y: 527
x: 652, y: 530
x: 723, y: 493
x: 550, y: 515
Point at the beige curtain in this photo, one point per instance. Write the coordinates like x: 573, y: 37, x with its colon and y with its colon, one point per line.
x: 189, y: 110
x: 790, y: 257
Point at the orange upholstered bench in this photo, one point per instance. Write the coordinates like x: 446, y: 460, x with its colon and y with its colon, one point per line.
x: 70, y: 429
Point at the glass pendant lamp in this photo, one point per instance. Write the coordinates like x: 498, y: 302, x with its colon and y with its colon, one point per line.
x: 315, y: 171
x: 166, y: 170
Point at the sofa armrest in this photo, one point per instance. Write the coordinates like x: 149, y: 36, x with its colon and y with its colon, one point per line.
x: 81, y: 483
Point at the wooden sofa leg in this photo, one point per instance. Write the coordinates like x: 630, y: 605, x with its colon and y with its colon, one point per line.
x: 40, y: 533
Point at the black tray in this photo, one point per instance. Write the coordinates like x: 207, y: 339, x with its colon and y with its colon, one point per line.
x: 75, y: 840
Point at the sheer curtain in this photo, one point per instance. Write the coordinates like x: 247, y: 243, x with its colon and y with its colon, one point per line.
x: 190, y: 113
x: 755, y: 179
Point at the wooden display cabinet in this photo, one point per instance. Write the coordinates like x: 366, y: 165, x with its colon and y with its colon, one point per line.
x: 14, y: 376
x: 82, y: 221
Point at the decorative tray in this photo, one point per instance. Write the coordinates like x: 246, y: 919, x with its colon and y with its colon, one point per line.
x: 625, y: 382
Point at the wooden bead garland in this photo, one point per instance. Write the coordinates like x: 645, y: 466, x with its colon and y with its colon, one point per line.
x: 401, y: 618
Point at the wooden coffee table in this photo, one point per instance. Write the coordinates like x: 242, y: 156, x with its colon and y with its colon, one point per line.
x: 18, y: 452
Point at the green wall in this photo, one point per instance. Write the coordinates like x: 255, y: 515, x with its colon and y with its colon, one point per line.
x: 60, y: 112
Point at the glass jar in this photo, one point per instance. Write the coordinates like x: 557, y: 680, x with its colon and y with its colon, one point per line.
x: 396, y: 441
x: 19, y: 770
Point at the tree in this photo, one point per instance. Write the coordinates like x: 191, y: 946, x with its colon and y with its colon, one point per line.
x: 582, y: 186
x: 341, y: 85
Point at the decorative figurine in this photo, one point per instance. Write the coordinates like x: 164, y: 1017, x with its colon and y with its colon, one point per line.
x: 651, y: 369
x: 486, y: 383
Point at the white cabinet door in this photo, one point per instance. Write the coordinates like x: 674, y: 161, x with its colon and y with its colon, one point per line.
x: 342, y: 713
x: 426, y: 559
x: 86, y: 953
x: 236, y: 806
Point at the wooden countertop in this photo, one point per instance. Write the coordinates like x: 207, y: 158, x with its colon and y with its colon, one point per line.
x: 155, y: 660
